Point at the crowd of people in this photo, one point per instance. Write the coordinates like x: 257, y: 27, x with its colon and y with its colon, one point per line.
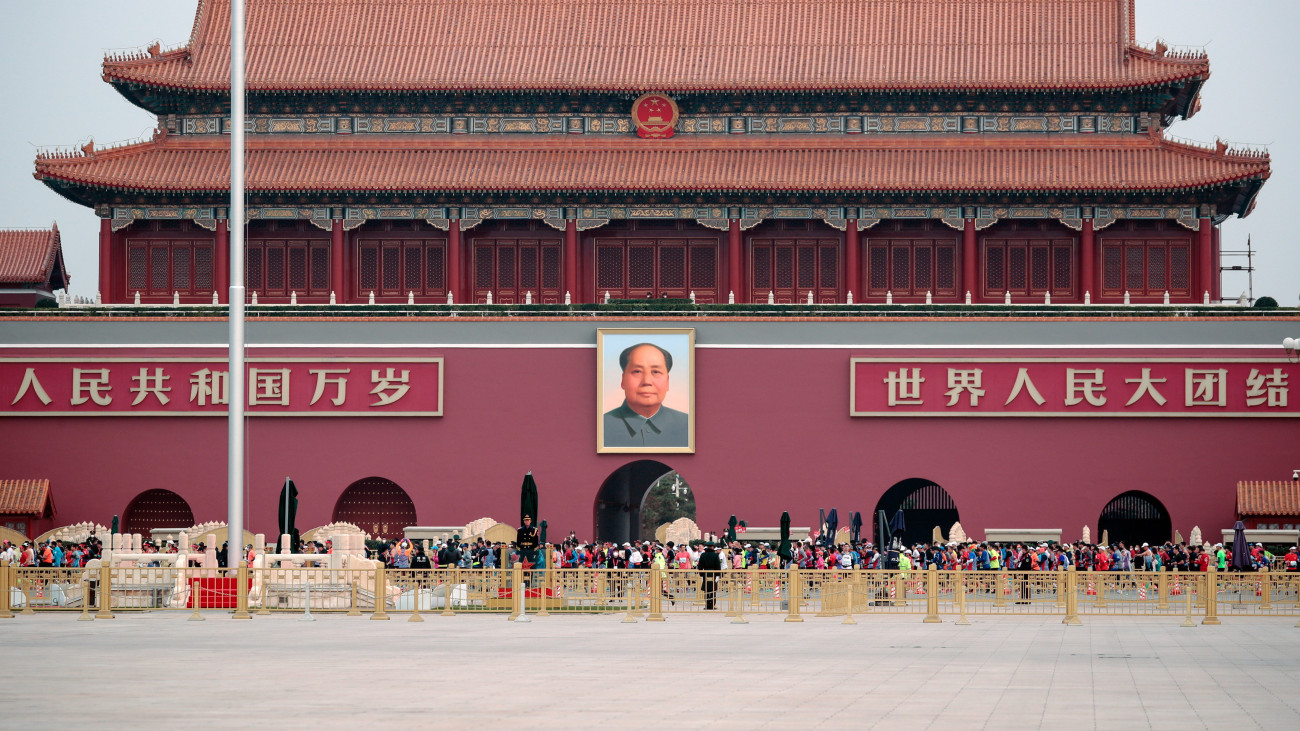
x: 810, y: 555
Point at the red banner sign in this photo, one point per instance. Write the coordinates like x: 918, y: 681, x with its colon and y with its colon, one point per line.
x: 200, y: 387
x: 1046, y: 387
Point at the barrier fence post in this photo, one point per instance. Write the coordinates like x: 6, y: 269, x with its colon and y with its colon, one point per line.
x: 548, y: 577
x: 353, y: 610
x: 415, y: 611
x: 1060, y: 587
x: 241, y: 592
x: 1071, y: 598
x: 85, y: 600
x: 1100, y: 601
x: 793, y: 595
x: 25, y: 591
x: 5, y: 612
x: 195, y: 597
x: 932, y: 595
x: 1211, y: 597
x: 1162, y: 589
x: 900, y: 590
x: 1266, y: 589
x: 736, y: 601
x: 1187, y: 598
x: 265, y: 609
x: 656, y: 596
x: 446, y: 594
x: 961, y: 597
x: 105, y: 592
x: 1001, y: 589
x: 517, y: 592
x: 381, y: 596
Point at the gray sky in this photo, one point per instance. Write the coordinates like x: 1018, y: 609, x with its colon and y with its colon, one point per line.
x: 54, y: 96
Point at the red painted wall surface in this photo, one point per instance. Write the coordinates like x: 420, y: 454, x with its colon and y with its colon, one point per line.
x: 773, y: 434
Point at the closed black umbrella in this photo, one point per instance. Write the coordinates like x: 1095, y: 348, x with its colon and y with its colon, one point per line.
x: 783, y: 550
x: 112, y: 532
x: 832, y: 522
x: 542, y: 540
x: 731, y: 529
x: 288, y: 516
x: 528, y: 499
x: 897, y: 526
x: 855, y: 527
x: 1240, y: 549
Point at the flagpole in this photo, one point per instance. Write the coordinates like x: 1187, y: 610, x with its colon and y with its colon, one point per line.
x: 237, y: 391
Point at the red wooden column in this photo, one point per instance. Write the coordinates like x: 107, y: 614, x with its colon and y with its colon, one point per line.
x: 1088, y: 258
x: 734, y: 274
x: 969, y: 256
x: 571, y: 255
x: 222, y: 260
x: 337, y: 258
x: 852, y: 256
x: 454, y: 272
x: 105, y: 261
x: 1205, y: 252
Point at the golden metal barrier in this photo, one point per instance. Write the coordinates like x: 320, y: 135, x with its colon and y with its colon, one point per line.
x: 5, y: 589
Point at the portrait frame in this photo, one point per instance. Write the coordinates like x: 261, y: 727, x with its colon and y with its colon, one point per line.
x: 611, y: 398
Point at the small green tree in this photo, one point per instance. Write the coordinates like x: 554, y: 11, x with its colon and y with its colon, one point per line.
x: 668, y: 499
x: 1266, y: 303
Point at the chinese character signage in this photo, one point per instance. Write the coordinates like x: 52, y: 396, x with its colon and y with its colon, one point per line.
x: 1052, y: 387
x: 199, y: 387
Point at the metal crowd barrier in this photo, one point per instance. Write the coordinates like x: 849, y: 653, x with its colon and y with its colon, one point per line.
x: 654, y: 594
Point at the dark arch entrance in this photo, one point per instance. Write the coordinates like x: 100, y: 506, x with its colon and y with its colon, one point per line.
x: 1135, y: 518
x: 377, y: 506
x: 617, y: 511
x: 924, y: 506
x: 156, y: 508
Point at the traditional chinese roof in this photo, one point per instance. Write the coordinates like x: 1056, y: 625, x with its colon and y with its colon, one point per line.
x: 32, y: 256
x: 665, y: 45
x: 705, y: 163
x: 1268, y: 498
x: 26, y: 497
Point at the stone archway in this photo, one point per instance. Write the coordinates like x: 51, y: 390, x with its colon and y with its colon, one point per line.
x: 617, y: 509
x: 157, y: 508
x: 924, y: 505
x: 377, y: 505
x: 1134, y: 518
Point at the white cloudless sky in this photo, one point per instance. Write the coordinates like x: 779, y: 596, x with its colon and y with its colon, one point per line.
x: 51, y: 50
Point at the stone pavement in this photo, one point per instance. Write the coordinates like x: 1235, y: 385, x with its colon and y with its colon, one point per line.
x: 158, y: 670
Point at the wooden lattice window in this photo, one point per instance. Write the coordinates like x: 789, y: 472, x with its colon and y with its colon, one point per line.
x: 657, y: 267
x: 1146, y: 267
x: 908, y: 268
x: 1028, y: 267
x: 513, y: 268
x: 396, y: 268
x: 275, y: 269
x: 161, y: 268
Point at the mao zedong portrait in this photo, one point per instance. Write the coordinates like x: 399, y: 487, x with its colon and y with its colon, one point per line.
x: 643, y: 420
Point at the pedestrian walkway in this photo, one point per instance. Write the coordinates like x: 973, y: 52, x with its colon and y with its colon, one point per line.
x: 894, y: 672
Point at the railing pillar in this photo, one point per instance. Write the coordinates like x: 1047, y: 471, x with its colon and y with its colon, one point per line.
x: 960, y: 591
x: 932, y: 595
x: 447, y: 611
x: 516, y: 591
x: 1101, y: 588
x: 381, y: 595
x: 999, y: 589
x: 1071, y: 598
x: 900, y: 590
x: 1266, y: 589
x: 241, y: 593
x: 656, y: 596
x: 1060, y: 587
x: 548, y: 577
x: 353, y: 609
x: 1211, y: 597
x: 4, y: 592
x: 794, y: 595
x: 105, y: 592
x: 1162, y: 589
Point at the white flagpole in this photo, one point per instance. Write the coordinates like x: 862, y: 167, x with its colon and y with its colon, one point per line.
x: 237, y: 391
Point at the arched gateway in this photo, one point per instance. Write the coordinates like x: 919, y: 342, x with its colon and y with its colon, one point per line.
x: 1135, y: 518
x: 924, y: 505
x: 617, y: 511
x: 378, y: 506
x: 157, y: 508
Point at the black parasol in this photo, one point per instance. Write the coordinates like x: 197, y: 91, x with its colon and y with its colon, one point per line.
x: 731, y: 529
x: 1240, y: 549
x: 832, y: 522
x: 288, y: 516
x: 528, y: 499
x: 783, y: 550
x: 855, y: 527
x: 897, y: 526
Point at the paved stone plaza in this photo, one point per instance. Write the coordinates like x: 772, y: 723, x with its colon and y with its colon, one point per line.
x: 151, y: 670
